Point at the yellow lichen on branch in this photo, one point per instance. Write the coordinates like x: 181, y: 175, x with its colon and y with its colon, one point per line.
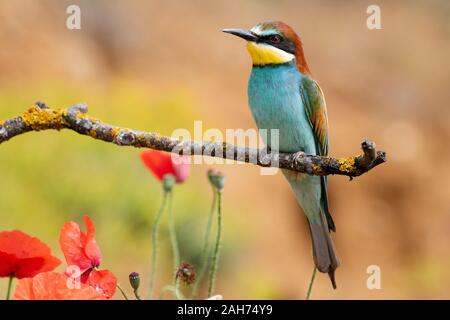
x: 92, y: 133
x: 116, y: 131
x: 347, y: 164
x: 41, y: 119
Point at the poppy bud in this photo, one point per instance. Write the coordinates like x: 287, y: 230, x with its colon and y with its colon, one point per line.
x: 168, y: 182
x: 135, y: 280
x: 186, y: 273
x: 217, y: 179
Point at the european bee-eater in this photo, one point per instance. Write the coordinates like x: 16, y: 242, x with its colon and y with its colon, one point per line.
x: 283, y: 95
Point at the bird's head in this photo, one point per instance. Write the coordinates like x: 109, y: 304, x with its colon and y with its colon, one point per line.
x: 272, y: 43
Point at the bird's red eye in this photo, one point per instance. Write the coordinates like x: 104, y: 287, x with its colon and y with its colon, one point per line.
x: 275, y: 39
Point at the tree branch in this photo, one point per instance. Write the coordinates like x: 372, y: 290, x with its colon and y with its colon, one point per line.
x: 39, y: 117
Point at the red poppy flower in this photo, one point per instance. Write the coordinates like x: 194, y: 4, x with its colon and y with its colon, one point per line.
x: 80, y: 249
x: 24, y: 256
x: 54, y: 286
x: 162, y: 163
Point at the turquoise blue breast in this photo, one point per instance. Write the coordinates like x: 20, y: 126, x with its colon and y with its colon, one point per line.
x: 275, y: 102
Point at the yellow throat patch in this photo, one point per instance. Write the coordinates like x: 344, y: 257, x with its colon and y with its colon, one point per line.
x: 262, y: 54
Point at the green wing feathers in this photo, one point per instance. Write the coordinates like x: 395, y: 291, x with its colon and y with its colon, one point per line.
x: 316, y: 111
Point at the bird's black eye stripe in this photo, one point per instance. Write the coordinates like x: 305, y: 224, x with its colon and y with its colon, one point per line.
x: 271, y: 38
x: 278, y: 42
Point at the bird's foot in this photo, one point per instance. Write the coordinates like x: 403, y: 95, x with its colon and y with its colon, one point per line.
x: 301, y: 162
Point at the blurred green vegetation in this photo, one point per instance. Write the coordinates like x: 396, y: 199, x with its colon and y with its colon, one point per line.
x: 49, y: 178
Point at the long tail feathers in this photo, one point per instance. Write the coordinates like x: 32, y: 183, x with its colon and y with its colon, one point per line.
x: 324, y: 253
x: 311, y: 193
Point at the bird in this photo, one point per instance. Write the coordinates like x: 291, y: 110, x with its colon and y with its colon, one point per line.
x: 283, y: 95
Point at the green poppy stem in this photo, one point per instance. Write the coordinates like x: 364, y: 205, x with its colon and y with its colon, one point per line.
x: 8, y: 292
x: 206, y: 246
x: 174, y: 242
x: 173, y: 290
x: 155, y: 237
x: 215, y: 257
x: 311, y: 282
x: 173, y: 235
x: 122, y: 292
x: 178, y: 295
x: 136, y: 294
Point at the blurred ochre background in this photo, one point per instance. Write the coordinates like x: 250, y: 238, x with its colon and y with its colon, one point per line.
x: 160, y: 65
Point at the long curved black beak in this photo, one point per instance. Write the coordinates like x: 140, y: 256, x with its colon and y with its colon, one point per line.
x: 241, y: 33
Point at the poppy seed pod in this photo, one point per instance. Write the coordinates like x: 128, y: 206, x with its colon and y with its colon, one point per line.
x: 186, y: 273
x: 168, y: 182
x: 217, y: 179
x: 135, y: 280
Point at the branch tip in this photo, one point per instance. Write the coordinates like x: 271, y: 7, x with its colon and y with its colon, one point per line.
x: 369, y: 154
x: 79, y: 107
x: 41, y: 105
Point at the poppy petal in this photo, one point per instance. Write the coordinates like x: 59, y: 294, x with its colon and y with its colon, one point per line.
x: 72, y: 241
x: 24, y: 290
x: 54, y: 286
x: 92, y: 250
x: 7, y: 264
x: 181, y: 167
x: 24, y: 256
x: 103, y: 281
x: 159, y: 163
